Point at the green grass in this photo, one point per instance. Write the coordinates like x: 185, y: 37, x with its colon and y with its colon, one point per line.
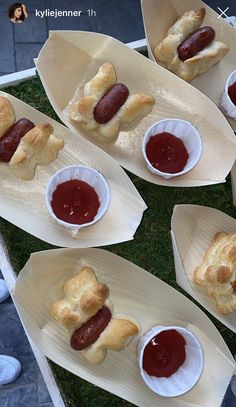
x: 151, y: 248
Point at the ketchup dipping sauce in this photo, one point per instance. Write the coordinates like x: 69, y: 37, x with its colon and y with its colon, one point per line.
x: 232, y: 93
x: 228, y: 97
x: 171, y: 147
x: 167, y: 153
x: 170, y: 360
x: 77, y: 196
x: 164, y: 353
x: 75, y: 201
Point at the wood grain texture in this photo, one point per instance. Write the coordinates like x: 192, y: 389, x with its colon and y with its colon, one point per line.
x: 23, y: 202
x: 85, y: 52
x: 159, y: 16
x: 135, y: 292
x: 193, y: 230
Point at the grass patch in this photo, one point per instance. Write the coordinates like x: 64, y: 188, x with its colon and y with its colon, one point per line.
x: 151, y: 248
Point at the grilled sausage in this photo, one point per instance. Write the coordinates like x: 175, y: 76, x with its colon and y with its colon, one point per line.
x: 89, y: 332
x: 197, y: 41
x: 110, y: 103
x: 11, y: 139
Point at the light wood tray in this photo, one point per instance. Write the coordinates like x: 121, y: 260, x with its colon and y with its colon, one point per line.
x: 193, y: 228
x: 159, y: 16
x: 135, y: 292
x: 23, y: 202
x: 85, y: 52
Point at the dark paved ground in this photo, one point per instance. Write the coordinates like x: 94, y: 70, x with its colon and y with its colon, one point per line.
x: 20, y: 43
x: 29, y: 389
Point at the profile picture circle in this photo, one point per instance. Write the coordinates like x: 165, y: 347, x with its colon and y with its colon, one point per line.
x: 18, y: 13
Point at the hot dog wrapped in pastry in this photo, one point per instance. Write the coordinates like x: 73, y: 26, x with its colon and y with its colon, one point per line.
x: 38, y: 146
x: 87, y: 313
x: 218, y: 272
x: 107, y: 108
x: 84, y: 296
x: 189, y: 50
x: 23, y: 145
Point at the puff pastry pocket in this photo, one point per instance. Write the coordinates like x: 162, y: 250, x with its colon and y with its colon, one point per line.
x: 38, y: 146
x: 106, y: 107
x: 86, y: 311
x: 115, y: 336
x: 7, y: 116
x: 189, y: 50
x: 84, y: 296
x: 218, y: 272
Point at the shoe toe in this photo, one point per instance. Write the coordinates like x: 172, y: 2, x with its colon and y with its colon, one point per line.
x: 4, y: 292
x: 10, y: 369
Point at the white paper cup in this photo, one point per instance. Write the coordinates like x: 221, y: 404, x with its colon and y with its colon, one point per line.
x: 185, y: 378
x: 225, y: 100
x: 185, y: 131
x: 89, y: 175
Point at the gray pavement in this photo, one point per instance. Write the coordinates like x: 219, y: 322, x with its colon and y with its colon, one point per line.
x: 122, y: 19
x: 20, y: 43
x: 29, y: 388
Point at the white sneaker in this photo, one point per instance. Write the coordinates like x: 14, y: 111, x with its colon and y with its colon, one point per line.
x: 233, y: 385
x: 4, y: 293
x: 10, y: 369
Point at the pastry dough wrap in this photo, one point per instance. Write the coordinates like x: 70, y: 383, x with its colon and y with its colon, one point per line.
x: 38, y: 146
x: 114, y: 337
x: 166, y: 53
x: 127, y: 117
x: 218, y: 272
x: 7, y: 116
x: 84, y: 297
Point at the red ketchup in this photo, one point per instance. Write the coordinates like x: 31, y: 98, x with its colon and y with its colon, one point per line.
x: 167, y: 153
x: 164, y: 354
x: 232, y: 93
x: 75, y: 202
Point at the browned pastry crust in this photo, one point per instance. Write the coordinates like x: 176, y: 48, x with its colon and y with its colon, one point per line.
x: 217, y: 272
x: 128, y: 116
x: 166, y: 53
x: 114, y: 337
x: 38, y: 146
x: 84, y: 296
x: 7, y: 116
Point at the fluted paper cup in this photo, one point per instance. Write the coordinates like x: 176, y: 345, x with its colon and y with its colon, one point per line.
x: 133, y: 292
x: 159, y: 16
x: 186, y: 132
x: 185, y: 378
x: 89, y: 175
x: 85, y: 52
x: 225, y: 101
x: 23, y: 203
